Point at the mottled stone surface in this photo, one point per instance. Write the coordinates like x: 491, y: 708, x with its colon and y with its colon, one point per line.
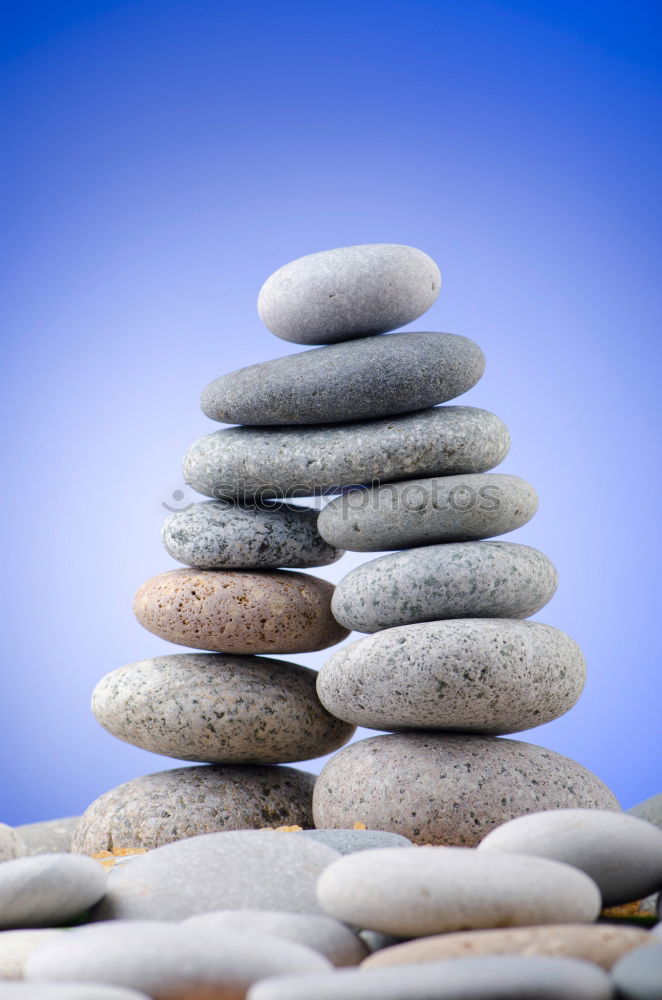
x: 448, y: 789
x: 48, y: 890
x: 357, y: 380
x: 170, y: 962
x: 67, y: 991
x: 453, y: 580
x: 431, y: 890
x: 350, y: 841
x: 229, y: 611
x: 17, y: 946
x: 11, y: 843
x: 219, y: 709
x: 49, y: 836
x: 242, y: 462
x: 331, y: 938
x: 426, y: 511
x: 472, y: 674
x: 348, y: 292
x: 217, y: 534
x: 491, y: 977
x: 236, y: 870
x: 621, y: 853
x: 160, y: 808
x: 650, y: 809
x: 599, y: 943
x: 638, y: 975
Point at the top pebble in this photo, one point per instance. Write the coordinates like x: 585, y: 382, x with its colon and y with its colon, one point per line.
x: 350, y: 292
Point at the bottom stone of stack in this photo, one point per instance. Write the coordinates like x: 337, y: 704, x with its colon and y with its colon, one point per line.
x: 173, y: 805
x: 448, y: 788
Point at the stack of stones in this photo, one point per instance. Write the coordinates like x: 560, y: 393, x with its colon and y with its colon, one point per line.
x: 451, y: 664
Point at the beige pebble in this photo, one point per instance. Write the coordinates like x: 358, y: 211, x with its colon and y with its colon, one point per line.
x: 17, y: 946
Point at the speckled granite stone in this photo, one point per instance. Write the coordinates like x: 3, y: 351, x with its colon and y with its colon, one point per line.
x: 11, y: 843
x: 621, y: 853
x: 219, y: 709
x: 650, y: 809
x: 453, y: 580
x: 48, y: 836
x: 426, y: 511
x: 350, y: 841
x: 357, y: 380
x: 218, y: 535
x: 348, y: 292
x: 430, y: 890
x: 599, y: 943
x: 17, y: 946
x: 242, y: 462
x: 160, y: 808
x: 472, y: 675
x: 237, y: 870
x: 448, y: 789
x: 489, y: 977
x: 48, y: 890
x: 229, y: 611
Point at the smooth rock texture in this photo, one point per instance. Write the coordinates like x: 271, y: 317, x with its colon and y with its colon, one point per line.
x: 329, y: 937
x: 170, y: 962
x: 157, y: 809
x: 67, y: 991
x: 621, y: 853
x: 638, y: 976
x: 650, y: 809
x: 493, y: 977
x: 453, y: 580
x: 599, y: 943
x: 431, y: 890
x: 350, y: 841
x: 237, y: 870
x: 51, y: 836
x: 219, y: 709
x: 11, y: 843
x: 348, y: 292
x: 239, y: 463
x: 48, y: 890
x: 216, y: 534
x: 450, y: 788
x: 358, y: 380
x: 17, y: 946
x: 471, y: 675
x: 229, y: 611
x: 426, y: 511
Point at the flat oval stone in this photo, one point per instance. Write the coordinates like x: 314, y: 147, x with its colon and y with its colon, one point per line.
x: 426, y: 511
x: 599, y: 943
x: 638, y: 975
x: 50, y: 836
x: 350, y: 841
x: 450, y: 788
x: 229, y: 611
x: 11, y: 843
x: 67, y: 991
x: 479, y: 675
x: 431, y: 890
x: 621, y: 853
x: 348, y: 292
x: 453, y: 580
x: 168, y: 806
x: 235, y: 870
x: 17, y: 946
x: 356, y: 380
x: 240, y: 463
x: 329, y: 937
x: 219, y: 709
x: 170, y: 961
x: 492, y: 977
x: 216, y: 534
x: 48, y: 890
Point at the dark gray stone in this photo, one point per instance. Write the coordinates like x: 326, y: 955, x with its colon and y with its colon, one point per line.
x: 453, y: 580
x: 219, y: 535
x: 348, y: 292
x: 48, y: 890
x: 427, y: 511
x: 241, y: 462
x: 638, y: 975
x: 219, y: 709
x: 49, y: 836
x: 158, y: 809
x: 351, y: 841
x: 357, y: 380
x: 480, y: 675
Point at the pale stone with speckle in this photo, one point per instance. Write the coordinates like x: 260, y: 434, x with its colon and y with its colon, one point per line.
x: 17, y: 946
x: 48, y: 836
x: 650, y: 809
x: 11, y: 843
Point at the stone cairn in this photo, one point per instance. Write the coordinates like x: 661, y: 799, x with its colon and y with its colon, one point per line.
x: 450, y: 664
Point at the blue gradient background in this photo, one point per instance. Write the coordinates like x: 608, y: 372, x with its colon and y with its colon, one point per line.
x: 160, y: 159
